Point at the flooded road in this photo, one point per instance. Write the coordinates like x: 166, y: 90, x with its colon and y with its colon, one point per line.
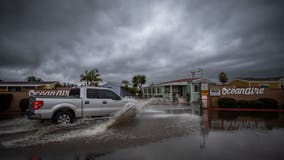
x: 157, y: 132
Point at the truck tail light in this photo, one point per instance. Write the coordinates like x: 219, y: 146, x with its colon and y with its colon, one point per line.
x: 37, y: 104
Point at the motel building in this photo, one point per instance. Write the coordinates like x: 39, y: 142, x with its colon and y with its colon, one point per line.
x: 249, y: 90
x: 178, y: 91
x: 19, y: 86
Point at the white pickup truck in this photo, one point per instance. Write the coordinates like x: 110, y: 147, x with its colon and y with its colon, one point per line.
x: 81, y: 102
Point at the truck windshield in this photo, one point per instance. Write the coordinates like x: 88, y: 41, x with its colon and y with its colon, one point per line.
x: 75, y: 92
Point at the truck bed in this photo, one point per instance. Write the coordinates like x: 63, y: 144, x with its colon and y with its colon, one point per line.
x: 51, y: 103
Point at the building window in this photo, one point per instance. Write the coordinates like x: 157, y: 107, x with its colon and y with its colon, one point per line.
x: 14, y: 89
x: 264, y: 85
x: 146, y: 90
x: 158, y: 90
x: 3, y: 88
x: 167, y: 89
x: 196, y: 88
x: 282, y: 86
x: 175, y: 89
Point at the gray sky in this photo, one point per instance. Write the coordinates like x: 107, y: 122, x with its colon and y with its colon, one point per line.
x: 164, y: 40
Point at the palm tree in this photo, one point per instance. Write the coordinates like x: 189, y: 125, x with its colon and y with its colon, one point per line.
x: 84, y: 77
x: 138, y: 81
x: 92, y: 77
x: 223, y: 78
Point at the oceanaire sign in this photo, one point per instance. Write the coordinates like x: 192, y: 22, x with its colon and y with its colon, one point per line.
x: 49, y: 93
x: 242, y: 91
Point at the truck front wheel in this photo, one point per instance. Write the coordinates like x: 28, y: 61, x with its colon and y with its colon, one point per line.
x: 64, y: 118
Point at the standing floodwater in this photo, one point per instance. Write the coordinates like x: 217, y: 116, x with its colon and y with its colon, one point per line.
x: 157, y: 132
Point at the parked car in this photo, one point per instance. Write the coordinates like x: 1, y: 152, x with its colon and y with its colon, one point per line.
x: 81, y: 102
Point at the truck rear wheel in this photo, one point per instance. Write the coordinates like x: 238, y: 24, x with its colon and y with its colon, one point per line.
x: 64, y: 118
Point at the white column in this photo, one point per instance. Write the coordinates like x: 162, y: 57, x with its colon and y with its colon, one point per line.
x: 171, y: 94
x: 191, y: 92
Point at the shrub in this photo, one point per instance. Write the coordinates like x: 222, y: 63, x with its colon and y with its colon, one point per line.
x: 255, y: 104
x: 5, y: 101
x: 249, y: 104
x: 227, y: 103
x: 242, y: 103
x: 269, y: 103
x: 24, y: 104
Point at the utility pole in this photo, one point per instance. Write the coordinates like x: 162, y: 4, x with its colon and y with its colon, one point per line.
x: 193, y: 74
x: 200, y: 70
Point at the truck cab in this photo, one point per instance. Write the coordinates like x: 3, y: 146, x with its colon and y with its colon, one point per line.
x: 100, y: 101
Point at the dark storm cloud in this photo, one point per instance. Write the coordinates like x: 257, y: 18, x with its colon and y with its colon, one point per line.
x: 58, y: 40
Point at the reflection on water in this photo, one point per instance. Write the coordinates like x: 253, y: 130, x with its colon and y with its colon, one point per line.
x: 231, y: 120
x: 232, y: 124
x: 159, y: 132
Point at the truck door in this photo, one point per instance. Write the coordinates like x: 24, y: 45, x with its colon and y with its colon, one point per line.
x: 111, y: 101
x: 100, y: 102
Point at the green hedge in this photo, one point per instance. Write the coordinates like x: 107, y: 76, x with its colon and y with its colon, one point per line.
x: 227, y: 103
x: 266, y: 103
x: 269, y: 103
x: 5, y: 101
x: 255, y: 104
x: 250, y: 104
x: 24, y: 104
x: 242, y: 103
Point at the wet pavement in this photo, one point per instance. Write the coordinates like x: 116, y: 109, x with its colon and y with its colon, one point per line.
x: 157, y: 132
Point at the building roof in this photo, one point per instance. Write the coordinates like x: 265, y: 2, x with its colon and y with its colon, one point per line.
x: 263, y: 79
x: 24, y: 83
x: 114, y: 83
x: 180, y: 80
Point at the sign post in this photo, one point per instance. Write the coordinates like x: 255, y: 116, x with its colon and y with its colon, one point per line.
x: 204, y: 94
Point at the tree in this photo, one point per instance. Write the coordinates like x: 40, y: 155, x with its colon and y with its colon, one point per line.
x: 84, y: 77
x: 138, y: 81
x: 33, y: 78
x: 125, y: 82
x: 92, y: 77
x: 58, y: 84
x: 223, y: 78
